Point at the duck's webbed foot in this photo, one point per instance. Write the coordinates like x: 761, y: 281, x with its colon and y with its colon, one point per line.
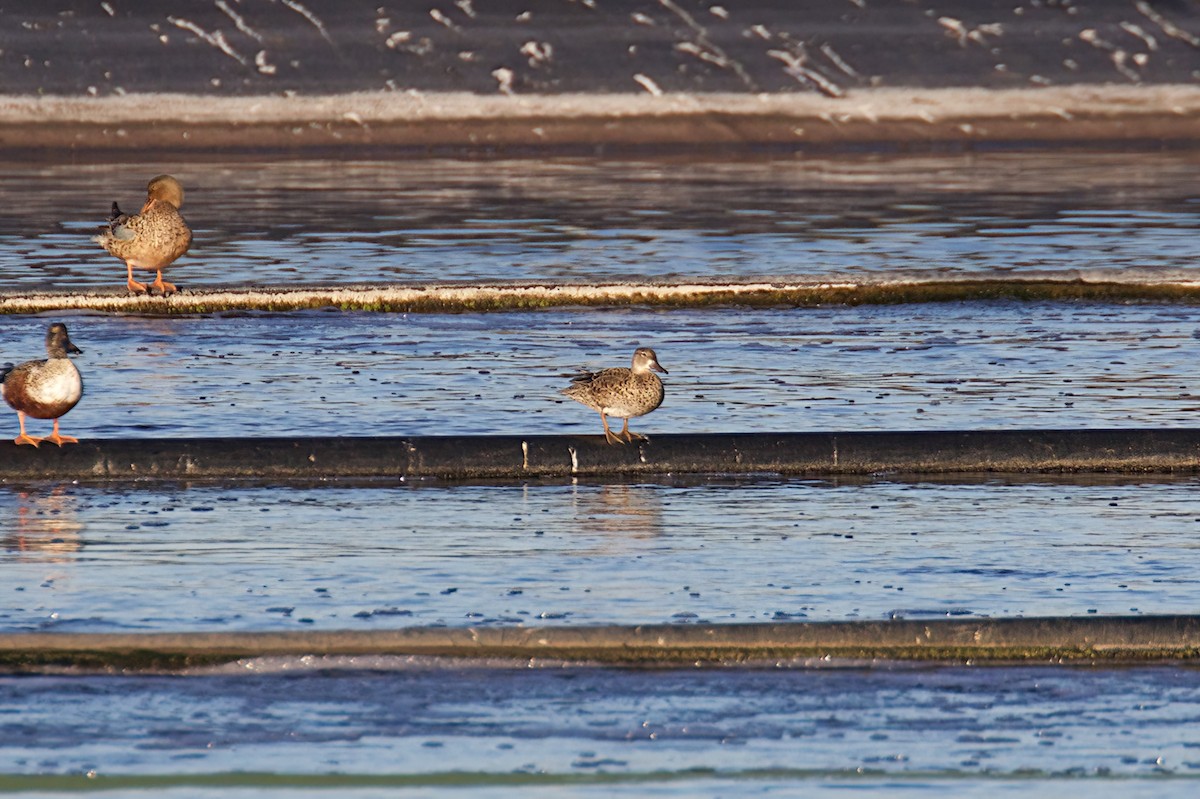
x: 630, y: 436
x: 58, y: 438
x: 162, y: 286
x: 609, y: 435
x: 134, y: 286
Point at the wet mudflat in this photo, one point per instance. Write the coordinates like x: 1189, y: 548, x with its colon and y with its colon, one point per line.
x: 155, y: 558
x: 931, y: 366
x: 279, y: 223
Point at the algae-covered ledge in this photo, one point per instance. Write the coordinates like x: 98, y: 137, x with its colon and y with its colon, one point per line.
x: 454, y: 298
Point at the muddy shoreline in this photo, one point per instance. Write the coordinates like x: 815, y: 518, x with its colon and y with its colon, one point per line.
x: 962, y: 118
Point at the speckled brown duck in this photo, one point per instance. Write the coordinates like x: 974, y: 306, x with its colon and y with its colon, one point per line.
x: 620, y: 392
x: 151, y: 239
x: 44, y: 389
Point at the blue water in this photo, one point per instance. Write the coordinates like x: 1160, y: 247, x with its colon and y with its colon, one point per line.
x: 297, y: 557
x: 280, y: 223
x: 504, y: 730
x: 930, y: 366
x: 165, y: 558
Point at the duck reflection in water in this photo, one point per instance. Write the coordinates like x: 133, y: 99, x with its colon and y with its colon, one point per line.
x: 47, y: 527
x: 629, y: 511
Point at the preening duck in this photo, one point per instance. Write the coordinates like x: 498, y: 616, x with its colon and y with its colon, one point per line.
x: 151, y: 239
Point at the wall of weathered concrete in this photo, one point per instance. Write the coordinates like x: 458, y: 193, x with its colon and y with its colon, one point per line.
x: 517, y: 457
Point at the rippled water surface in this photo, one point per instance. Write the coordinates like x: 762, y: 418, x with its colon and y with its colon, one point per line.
x: 159, y: 558
x: 287, y: 223
x: 932, y: 366
x: 156, y: 557
x: 550, y: 731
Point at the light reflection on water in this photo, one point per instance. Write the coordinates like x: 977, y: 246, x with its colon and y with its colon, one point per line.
x: 205, y: 557
x: 283, y: 223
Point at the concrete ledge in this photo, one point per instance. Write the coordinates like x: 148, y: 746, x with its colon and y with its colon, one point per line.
x: 1053, y: 639
x: 516, y: 457
x: 458, y: 298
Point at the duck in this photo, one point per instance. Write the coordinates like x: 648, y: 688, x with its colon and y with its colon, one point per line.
x: 44, y: 389
x: 621, y: 392
x: 152, y: 238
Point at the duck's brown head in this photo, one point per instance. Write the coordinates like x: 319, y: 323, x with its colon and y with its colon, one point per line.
x: 644, y: 360
x: 58, y: 343
x: 167, y: 189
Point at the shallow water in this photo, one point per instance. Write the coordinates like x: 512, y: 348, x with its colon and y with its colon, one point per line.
x: 148, y: 557
x: 501, y: 731
x: 938, y: 366
x: 193, y: 557
x: 687, y: 786
x: 279, y: 223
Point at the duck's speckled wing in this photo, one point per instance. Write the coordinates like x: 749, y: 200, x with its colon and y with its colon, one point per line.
x: 153, y: 239
x: 607, y: 380
x: 595, y: 388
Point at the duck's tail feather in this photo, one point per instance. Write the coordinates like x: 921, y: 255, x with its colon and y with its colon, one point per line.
x: 116, y: 218
x: 115, y: 227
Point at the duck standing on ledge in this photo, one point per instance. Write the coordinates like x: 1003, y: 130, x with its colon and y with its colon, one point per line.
x: 44, y: 389
x: 151, y: 239
x: 621, y: 392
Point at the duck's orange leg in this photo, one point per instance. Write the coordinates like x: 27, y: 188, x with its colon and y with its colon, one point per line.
x: 627, y: 434
x: 163, y: 286
x: 134, y: 286
x: 609, y: 435
x: 59, y: 439
x: 24, y: 438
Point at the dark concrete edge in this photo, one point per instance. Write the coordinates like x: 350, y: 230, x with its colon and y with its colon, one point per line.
x: 1058, y: 640
x: 466, y: 458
